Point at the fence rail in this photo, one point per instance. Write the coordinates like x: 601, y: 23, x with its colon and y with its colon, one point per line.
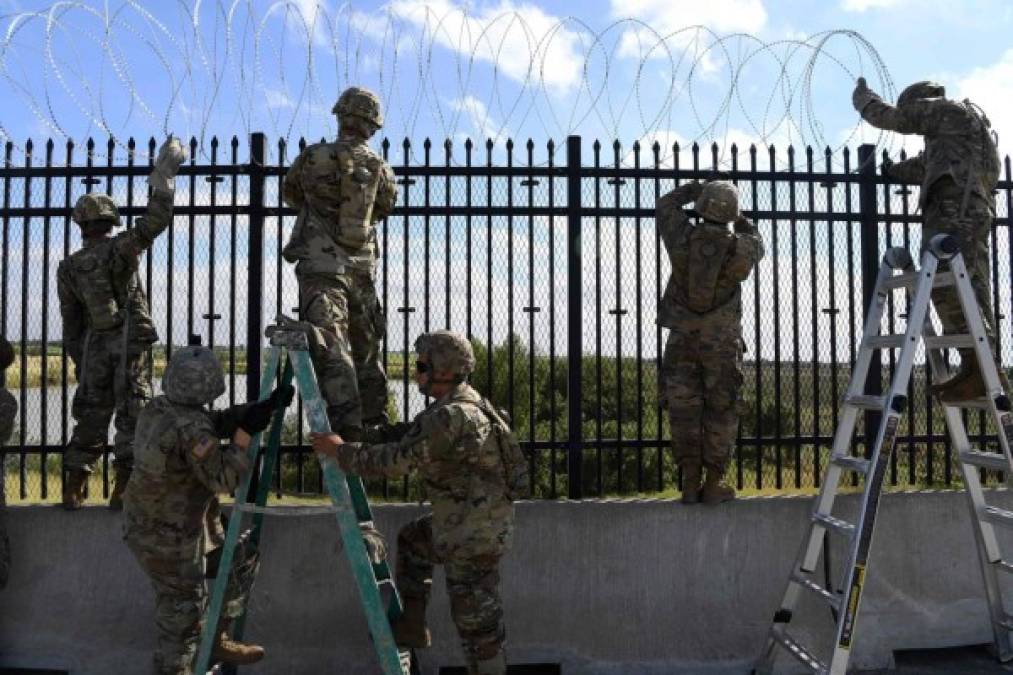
x: 553, y: 269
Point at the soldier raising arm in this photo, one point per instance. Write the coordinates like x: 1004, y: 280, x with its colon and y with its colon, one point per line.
x: 472, y: 468
x: 957, y: 172
x: 107, y: 327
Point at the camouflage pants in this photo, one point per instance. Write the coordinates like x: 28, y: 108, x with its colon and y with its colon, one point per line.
x: 178, y: 577
x: 701, y: 384
x: 942, y: 216
x: 107, y: 384
x: 472, y: 583
x: 351, y: 323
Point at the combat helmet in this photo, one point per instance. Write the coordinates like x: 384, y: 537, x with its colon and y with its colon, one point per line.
x: 447, y: 351
x: 359, y: 102
x: 718, y: 202
x: 98, y: 206
x: 920, y: 90
x: 193, y: 377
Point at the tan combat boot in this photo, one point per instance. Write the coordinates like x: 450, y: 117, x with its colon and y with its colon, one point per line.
x: 410, y: 628
x: 494, y: 666
x: 235, y: 653
x: 121, y: 476
x: 691, y: 475
x: 73, y: 489
x: 714, y: 491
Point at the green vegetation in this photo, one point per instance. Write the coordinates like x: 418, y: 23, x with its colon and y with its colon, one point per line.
x: 620, y: 401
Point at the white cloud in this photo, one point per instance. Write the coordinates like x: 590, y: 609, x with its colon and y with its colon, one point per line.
x: 991, y: 87
x: 668, y: 16
x: 478, y: 114
x: 523, y: 42
x: 863, y: 5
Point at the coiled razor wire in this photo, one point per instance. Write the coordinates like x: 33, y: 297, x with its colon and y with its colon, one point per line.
x: 218, y: 66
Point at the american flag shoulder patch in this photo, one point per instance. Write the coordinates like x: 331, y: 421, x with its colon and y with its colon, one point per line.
x: 203, y: 446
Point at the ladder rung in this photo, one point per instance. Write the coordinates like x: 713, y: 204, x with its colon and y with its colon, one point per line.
x: 796, y: 649
x: 856, y: 464
x: 866, y: 401
x: 835, y: 524
x: 986, y: 460
x: 909, y: 278
x: 1003, y: 566
x: 954, y: 341
x: 832, y: 599
x: 997, y: 515
x: 885, y: 341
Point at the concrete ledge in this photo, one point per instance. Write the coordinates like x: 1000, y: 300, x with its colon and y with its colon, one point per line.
x: 635, y: 587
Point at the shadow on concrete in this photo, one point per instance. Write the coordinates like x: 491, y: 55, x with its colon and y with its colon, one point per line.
x: 974, y: 660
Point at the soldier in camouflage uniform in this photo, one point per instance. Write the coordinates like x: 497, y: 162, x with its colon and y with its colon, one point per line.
x: 107, y: 327
x: 957, y: 172
x: 701, y: 369
x: 341, y: 190
x: 473, y: 469
x: 171, y: 504
x: 8, y: 412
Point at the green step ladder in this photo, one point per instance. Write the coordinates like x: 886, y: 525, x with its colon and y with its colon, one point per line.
x: 377, y: 592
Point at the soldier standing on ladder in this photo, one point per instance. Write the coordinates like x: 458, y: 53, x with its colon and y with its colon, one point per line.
x: 341, y: 190
x: 957, y: 172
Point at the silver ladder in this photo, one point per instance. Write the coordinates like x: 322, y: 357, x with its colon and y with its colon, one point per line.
x: 377, y: 592
x: 898, y: 272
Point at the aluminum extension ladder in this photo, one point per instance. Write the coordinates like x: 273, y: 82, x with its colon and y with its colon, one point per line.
x: 379, y: 597
x: 845, y: 602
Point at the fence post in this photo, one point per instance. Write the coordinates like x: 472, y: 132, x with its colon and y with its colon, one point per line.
x: 575, y: 322
x: 255, y: 264
x: 869, y: 217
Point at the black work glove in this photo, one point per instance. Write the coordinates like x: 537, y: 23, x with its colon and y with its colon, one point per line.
x: 258, y: 415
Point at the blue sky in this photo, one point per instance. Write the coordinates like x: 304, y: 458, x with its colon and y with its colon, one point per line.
x: 602, y: 68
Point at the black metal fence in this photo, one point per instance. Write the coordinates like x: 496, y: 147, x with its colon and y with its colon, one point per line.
x: 552, y: 267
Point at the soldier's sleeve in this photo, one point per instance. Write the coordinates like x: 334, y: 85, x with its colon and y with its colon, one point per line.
x: 218, y: 467
x: 386, y: 432
x: 8, y: 413
x: 917, y: 117
x: 72, y: 312
x: 386, y: 193
x: 154, y: 222
x: 748, y: 251
x: 911, y: 170
x: 669, y: 213
x: 391, y: 460
x: 292, y: 191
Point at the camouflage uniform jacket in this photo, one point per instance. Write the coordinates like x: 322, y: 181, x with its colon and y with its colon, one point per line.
x: 453, y: 446
x: 179, y: 466
x: 709, y: 262
x: 341, y: 190
x: 99, y: 284
x: 958, y: 143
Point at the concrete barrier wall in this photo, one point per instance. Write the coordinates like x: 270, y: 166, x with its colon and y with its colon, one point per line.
x: 600, y: 587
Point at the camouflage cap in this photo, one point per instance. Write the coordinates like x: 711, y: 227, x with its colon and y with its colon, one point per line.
x: 447, y: 351
x: 193, y: 377
x: 920, y: 90
x: 6, y: 354
x: 94, y: 207
x: 718, y: 201
x: 359, y: 102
